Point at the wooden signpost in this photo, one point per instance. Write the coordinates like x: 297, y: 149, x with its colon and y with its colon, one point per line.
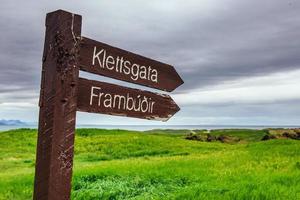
x: 63, y: 93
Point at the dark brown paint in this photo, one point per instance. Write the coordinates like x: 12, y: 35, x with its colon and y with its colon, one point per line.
x: 58, y: 105
x: 163, y: 108
x: 168, y: 78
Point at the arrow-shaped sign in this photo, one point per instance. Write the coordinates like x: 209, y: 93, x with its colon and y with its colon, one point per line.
x: 100, y: 97
x: 103, y: 59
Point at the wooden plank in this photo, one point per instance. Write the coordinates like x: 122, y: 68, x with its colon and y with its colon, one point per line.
x: 99, y: 58
x: 105, y: 98
x: 58, y: 103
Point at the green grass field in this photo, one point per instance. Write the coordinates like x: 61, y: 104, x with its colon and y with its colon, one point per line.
x: 160, y: 164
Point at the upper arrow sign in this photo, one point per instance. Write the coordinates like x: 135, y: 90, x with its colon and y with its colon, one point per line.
x: 103, y: 59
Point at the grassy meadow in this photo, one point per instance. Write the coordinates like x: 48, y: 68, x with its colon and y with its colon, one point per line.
x: 160, y: 164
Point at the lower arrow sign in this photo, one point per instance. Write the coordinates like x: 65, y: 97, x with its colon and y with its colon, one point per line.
x: 105, y: 98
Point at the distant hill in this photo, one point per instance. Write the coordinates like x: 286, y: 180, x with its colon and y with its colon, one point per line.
x: 4, y: 122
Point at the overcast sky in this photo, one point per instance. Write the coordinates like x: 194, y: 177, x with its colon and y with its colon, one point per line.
x: 240, y: 60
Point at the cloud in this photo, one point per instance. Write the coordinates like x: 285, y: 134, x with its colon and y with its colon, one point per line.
x: 231, y: 54
x: 274, y: 88
x: 207, y: 41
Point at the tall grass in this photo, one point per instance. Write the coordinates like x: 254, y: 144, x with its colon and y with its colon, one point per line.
x: 119, y: 164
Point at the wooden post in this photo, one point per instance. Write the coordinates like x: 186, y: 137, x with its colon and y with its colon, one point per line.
x: 58, y: 103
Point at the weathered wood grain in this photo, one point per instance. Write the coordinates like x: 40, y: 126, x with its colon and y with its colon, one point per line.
x: 58, y: 103
x: 113, y: 62
x: 106, y: 98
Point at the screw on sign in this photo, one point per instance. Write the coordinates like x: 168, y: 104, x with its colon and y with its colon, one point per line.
x: 63, y: 93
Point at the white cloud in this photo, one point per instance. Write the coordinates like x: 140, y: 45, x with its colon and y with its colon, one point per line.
x: 221, y: 50
x: 277, y: 87
x: 16, y: 106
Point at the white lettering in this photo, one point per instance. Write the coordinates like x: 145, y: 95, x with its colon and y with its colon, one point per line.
x: 135, y: 72
x: 96, y: 56
x: 93, y: 94
x: 119, y: 64
x: 107, y: 101
x: 110, y: 61
x: 154, y: 75
x: 135, y: 103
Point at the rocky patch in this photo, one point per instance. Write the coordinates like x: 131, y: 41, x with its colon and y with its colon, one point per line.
x: 282, y: 134
x: 211, y: 138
